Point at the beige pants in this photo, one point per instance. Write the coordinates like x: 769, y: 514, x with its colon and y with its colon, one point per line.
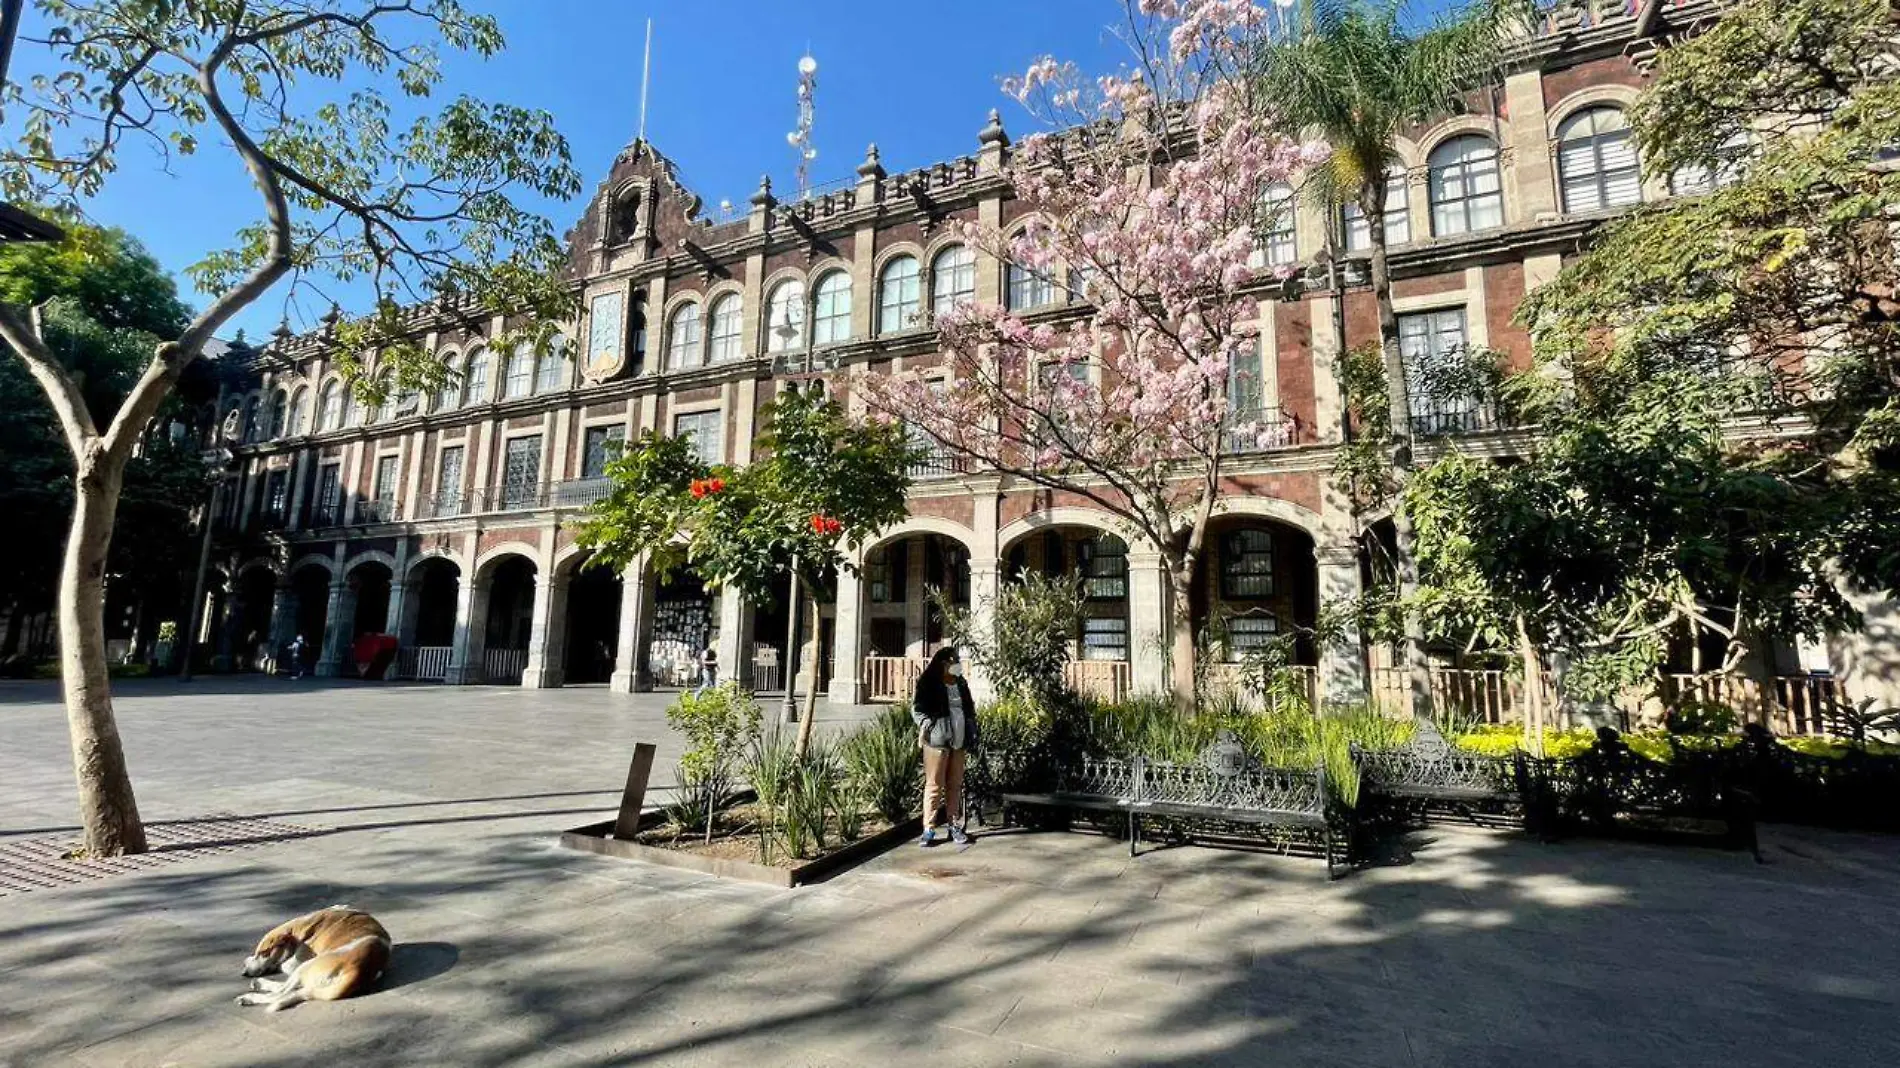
x: 943, y: 784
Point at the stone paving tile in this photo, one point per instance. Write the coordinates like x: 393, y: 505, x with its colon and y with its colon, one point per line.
x: 1030, y: 948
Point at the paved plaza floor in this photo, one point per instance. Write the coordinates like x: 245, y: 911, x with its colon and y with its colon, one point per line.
x: 435, y: 808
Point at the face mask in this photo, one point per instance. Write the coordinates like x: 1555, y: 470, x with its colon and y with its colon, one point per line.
x: 955, y: 671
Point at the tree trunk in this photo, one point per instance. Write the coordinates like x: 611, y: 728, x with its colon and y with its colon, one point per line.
x: 1533, y: 690
x: 1399, y: 404
x: 107, y: 809
x: 811, y: 672
x: 1181, y: 651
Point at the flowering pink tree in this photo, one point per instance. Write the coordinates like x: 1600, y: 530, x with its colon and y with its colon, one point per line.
x: 1150, y: 196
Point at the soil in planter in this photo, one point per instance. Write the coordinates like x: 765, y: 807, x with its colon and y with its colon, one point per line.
x: 736, y: 837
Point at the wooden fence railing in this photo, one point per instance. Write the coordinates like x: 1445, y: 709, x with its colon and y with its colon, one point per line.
x: 423, y: 663
x: 1106, y: 680
x: 891, y: 678
x: 1792, y: 704
x: 1231, y: 681
x: 503, y: 667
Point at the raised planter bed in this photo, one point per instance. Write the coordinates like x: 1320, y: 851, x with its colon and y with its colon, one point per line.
x: 600, y: 838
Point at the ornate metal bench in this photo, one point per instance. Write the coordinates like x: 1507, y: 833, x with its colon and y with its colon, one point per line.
x: 1430, y: 774
x: 1224, y: 786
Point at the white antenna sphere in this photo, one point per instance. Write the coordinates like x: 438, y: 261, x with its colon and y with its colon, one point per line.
x: 725, y: 205
x: 808, y: 65
x: 792, y: 138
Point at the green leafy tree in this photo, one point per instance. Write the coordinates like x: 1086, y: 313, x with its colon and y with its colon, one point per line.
x: 105, y: 310
x: 1358, y: 75
x: 1656, y: 500
x: 420, y: 210
x: 826, y: 485
x: 1033, y: 623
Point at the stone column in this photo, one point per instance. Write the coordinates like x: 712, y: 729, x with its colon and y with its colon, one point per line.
x: 471, y: 617
x: 984, y: 587
x: 735, y: 638
x: 1148, y: 623
x: 1342, y: 664
x: 631, y: 674
x: 847, y: 642
x: 227, y: 609
x: 283, y: 619
x: 544, y: 638
x: 338, y: 626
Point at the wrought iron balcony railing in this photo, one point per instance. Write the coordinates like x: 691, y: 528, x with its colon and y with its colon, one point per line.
x: 1261, y: 430
x: 940, y: 465
x: 376, y: 510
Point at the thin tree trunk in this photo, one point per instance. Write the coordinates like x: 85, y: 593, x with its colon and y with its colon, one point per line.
x: 1533, y: 690
x: 107, y: 809
x: 1399, y: 401
x: 811, y: 672
x: 1182, y: 653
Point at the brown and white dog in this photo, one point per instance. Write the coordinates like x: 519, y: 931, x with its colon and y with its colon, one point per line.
x: 329, y: 954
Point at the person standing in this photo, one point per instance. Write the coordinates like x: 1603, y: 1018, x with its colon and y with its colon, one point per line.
x: 708, y: 668
x: 946, y: 728
x: 296, y: 657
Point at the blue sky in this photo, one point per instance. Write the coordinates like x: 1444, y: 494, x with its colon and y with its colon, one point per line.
x: 917, y: 79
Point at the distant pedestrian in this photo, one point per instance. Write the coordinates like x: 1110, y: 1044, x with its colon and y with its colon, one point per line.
x: 946, y: 728
x: 296, y: 657
x: 708, y: 668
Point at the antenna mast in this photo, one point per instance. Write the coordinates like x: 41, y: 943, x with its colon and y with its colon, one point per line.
x: 646, y: 68
x: 800, y: 138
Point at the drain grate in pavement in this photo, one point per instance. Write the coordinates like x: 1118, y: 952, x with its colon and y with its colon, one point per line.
x: 42, y: 863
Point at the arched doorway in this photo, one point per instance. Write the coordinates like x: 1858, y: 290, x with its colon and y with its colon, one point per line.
x: 902, y: 627
x: 685, y: 622
x: 369, y: 590
x: 1101, y: 650
x: 771, y: 627
x: 310, y: 585
x: 591, y: 629
x: 1257, y: 588
x: 429, y: 635
x: 256, y: 648
x: 509, y: 622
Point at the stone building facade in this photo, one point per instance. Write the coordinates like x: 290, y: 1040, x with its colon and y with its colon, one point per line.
x: 445, y: 520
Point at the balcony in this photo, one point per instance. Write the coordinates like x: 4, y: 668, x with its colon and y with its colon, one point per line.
x: 1447, y: 418
x: 326, y: 514
x: 376, y: 510
x: 1261, y: 430
x: 939, y: 465
x: 445, y: 505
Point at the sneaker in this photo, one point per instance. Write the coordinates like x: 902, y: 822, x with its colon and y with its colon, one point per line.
x: 958, y: 835
x: 929, y: 839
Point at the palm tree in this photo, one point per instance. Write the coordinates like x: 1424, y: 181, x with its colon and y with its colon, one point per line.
x: 1353, y: 74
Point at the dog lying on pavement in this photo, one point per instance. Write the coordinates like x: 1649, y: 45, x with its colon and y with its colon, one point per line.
x: 329, y: 954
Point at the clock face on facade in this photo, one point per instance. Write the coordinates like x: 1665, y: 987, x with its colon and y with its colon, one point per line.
x: 605, y: 353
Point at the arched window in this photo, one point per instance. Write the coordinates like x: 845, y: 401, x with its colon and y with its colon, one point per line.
x: 952, y: 278
x: 1596, y: 161
x: 785, y: 317
x: 1278, y: 244
x: 1465, y: 191
x: 550, y: 367
x: 1029, y: 289
x: 1398, y: 219
x: 298, y: 421
x: 1731, y: 158
x: 682, y: 339
x: 449, y: 397
x: 831, y: 309
x: 517, y: 377
x: 475, y: 379
x: 899, y: 301
x: 330, y: 411
x: 279, y: 415
x: 252, y: 431
x: 727, y: 324
x: 352, y: 409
